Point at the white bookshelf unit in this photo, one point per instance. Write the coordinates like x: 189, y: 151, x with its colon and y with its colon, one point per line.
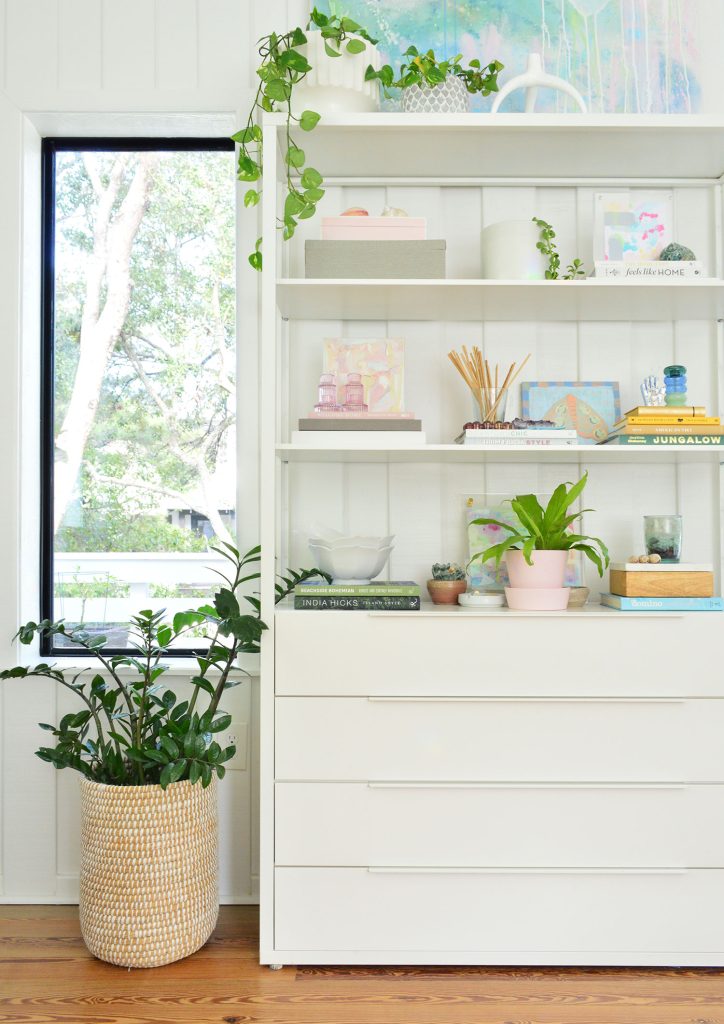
x: 491, y: 787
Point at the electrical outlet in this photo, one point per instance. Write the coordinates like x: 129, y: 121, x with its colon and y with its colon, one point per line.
x: 238, y: 734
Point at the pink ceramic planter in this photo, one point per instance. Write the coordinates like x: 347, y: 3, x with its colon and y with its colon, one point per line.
x: 546, y: 573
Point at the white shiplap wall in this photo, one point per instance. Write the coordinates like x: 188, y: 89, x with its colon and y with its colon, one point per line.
x: 155, y: 59
x: 160, y: 61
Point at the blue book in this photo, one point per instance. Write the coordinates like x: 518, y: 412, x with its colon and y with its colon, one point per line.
x: 663, y: 604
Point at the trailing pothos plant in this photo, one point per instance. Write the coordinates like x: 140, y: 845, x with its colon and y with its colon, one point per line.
x: 426, y: 71
x: 132, y: 730
x: 282, y: 68
x: 549, y: 248
x: 545, y: 529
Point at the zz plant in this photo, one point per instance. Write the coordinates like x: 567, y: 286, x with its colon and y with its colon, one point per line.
x: 545, y: 529
x: 133, y: 731
x: 427, y: 71
x: 282, y: 68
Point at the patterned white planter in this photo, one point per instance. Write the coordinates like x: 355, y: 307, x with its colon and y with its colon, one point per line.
x: 336, y: 85
x: 450, y: 97
x: 149, y: 871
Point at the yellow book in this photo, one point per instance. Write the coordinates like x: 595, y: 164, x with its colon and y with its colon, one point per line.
x: 665, y: 410
x: 670, y: 430
x: 669, y: 421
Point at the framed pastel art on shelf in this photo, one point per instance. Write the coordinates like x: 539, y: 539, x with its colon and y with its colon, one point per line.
x: 590, y: 407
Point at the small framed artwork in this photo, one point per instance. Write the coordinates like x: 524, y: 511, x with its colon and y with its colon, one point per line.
x: 381, y: 364
x: 632, y: 225
x: 590, y: 407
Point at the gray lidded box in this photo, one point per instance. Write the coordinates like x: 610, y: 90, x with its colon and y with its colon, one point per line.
x: 367, y: 259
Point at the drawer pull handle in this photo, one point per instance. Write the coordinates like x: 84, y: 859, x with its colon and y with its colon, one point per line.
x: 526, y: 871
x: 618, y: 786
x: 526, y: 700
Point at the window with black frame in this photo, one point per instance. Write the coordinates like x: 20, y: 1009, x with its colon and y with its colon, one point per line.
x: 138, y: 390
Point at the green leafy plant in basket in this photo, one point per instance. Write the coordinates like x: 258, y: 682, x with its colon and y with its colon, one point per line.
x: 545, y: 529
x: 427, y: 71
x: 131, y: 730
x: 282, y: 68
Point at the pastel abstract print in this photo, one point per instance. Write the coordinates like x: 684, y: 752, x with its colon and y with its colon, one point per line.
x: 632, y: 226
x: 623, y: 56
x: 589, y: 407
x: 381, y: 364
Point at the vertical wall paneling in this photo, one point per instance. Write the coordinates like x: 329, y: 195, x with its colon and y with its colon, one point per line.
x: 32, y: 47
x: 225, y: 33
x: 129, y: 46
x: 80, y: 34
x: 177, y: 41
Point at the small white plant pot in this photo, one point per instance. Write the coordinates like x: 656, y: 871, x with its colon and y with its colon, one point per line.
x: 449, y: 97
x: 336, y: 85
x: 508, y: 251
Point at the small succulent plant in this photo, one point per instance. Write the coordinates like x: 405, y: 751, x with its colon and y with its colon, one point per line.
x: 447, y: 571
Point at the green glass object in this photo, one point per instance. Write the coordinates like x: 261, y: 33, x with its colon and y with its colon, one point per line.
x: 662, y: 536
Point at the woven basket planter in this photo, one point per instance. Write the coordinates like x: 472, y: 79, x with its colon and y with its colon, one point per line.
x: 148, y: 877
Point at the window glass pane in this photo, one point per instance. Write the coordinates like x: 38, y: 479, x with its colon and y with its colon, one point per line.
x: 144, y: 382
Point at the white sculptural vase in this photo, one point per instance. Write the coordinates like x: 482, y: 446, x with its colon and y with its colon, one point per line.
x: 336, y: 85
x: 534, y: 79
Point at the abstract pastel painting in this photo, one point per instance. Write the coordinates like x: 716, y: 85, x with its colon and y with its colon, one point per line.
x: 590, y: 407
x: 623, y: 56
x: 381, y: 363
x: 632, y: 225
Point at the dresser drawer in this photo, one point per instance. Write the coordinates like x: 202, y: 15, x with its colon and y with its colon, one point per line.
x: 352, y: 739
x: 461, y: 653
x: 486, y: 825
x: 498, y: 914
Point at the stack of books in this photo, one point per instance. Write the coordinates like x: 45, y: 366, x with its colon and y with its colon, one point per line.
x: 364, y: 597
x: 666, y: 586
x: 666, y: 425
x: 509, y: 437
x: 368, y: 430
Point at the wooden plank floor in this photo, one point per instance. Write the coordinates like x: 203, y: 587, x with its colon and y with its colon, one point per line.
x: 48, y: 977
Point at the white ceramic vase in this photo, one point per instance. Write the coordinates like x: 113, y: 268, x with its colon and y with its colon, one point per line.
x: 449, y: 97
x: 336, y: 85
x: 508, y: 251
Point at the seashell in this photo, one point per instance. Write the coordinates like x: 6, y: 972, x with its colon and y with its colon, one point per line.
x: 355, y: 211
x: 633, y: 559
x: 394, y: 211
x: 654, y: 559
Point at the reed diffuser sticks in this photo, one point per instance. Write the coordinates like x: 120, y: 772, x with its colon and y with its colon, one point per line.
x: 483, y: 382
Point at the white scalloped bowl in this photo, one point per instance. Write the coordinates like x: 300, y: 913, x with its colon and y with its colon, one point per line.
x: 351, y: 565
x: 338, y: 541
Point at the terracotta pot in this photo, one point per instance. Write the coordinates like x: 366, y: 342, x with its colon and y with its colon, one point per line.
x: 446, y: 591
x: 546, y: 573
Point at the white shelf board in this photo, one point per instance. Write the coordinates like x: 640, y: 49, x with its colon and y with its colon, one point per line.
x: 396, y: 145
x: 463, y: 300
x: 432, y: 611
x: 471, y: 454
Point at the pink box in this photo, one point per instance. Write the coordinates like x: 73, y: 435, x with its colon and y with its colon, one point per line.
x: 373, y: 229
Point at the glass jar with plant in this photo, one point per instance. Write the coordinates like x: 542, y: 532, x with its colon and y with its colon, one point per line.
x: 430, y: 85
x: 141, y: 748
x: 536, y: 549
x: 285, y: 72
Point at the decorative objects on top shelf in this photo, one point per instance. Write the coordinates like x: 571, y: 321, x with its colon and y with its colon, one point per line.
x: 489, y: 388
x: 344, y: 47
x: 663, y: 536
x: 431, y: 86
x: 536, y: 548
x: 148, y: 877
x: 447, y: 583
x: 533, y: 79
x: 351, y: 560
x: 545, y: 245
x: 591, y: 408
x: 666, y: 425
